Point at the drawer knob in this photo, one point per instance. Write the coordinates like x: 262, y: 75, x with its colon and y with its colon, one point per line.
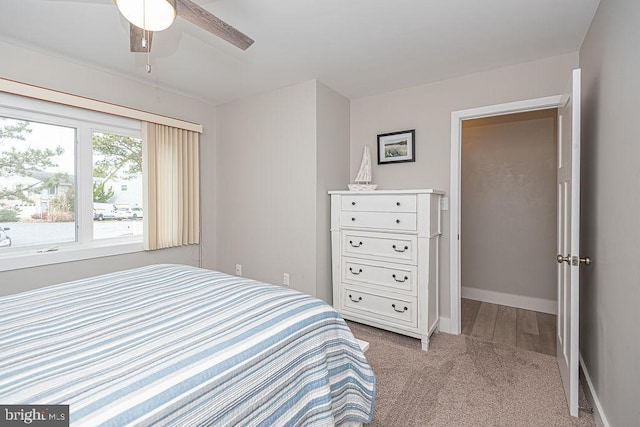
x: 353, y: 203
x: 397, y: 221
x: 400, y: 250
x: 395, y: 309
x: 353, y: 219
x: 400, y: 281
x: 355, y: 246
x: 397, y: 203
x: 353, y: 272
x: 355, y: 300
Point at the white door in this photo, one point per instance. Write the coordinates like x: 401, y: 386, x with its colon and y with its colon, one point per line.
x: 569, y: 239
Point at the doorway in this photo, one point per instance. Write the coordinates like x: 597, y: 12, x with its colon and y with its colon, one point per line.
x: 508, y: 229
x: 457, y: 119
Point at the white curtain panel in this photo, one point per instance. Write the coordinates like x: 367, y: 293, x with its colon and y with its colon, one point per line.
x: 172, y: 184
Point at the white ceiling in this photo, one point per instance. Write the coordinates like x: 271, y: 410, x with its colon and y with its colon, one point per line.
x: 357, y: 47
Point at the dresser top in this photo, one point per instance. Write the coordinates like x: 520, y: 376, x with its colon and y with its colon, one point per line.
x: 419, y: 191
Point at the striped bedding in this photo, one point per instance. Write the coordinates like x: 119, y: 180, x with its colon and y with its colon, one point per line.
x: 177, y: 345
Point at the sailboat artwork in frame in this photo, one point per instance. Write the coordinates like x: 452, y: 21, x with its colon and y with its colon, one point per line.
x: 363, y: 177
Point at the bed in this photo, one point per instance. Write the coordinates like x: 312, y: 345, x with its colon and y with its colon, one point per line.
x: 178, y: 345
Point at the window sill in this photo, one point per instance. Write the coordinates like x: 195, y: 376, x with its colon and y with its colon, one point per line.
x: 32, y: 258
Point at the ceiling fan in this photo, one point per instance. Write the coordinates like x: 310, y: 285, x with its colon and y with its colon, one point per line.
x: 147, y: 16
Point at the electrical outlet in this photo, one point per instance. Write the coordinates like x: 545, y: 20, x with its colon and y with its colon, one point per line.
x: 444, y: 204
x: 238, y: 269
x: 285, y: 279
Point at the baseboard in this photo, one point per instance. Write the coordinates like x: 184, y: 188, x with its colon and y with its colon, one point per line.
x: 598, y: 414
x: 511, y: 300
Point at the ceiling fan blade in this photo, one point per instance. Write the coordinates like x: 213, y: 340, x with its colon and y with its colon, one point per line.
x: 135, y: 39
x: 211, y: 23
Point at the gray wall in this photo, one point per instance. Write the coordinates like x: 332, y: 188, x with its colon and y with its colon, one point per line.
x: 15, y: 281
x: 508, y: 209
x: 278, y: 155
x: 266, y: 186
x: 43, y: 70
x: 427, y: 108
x: 332, y: 149
x: 610, y: 288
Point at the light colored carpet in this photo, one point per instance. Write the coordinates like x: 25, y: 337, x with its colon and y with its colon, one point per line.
x: 462, y: 381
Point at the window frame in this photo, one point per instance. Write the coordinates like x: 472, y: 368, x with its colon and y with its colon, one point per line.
x: 86, y: 122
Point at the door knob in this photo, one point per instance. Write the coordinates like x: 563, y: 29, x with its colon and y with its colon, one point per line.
x: 586, y: 260
x: 574, y: 260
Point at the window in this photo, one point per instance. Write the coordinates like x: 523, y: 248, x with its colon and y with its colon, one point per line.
x: 117, y: 182
x: 37, y: 182
x: 62, y: 174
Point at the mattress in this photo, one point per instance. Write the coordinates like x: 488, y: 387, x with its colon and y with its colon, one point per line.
x: 177, y: 345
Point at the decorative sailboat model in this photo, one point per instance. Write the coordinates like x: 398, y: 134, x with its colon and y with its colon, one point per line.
x: 363, y: 178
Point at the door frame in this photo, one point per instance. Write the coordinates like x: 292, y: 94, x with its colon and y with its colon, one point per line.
x: 457, y: 117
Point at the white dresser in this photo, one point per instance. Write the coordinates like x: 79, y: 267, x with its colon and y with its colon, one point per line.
x: 385, y: 259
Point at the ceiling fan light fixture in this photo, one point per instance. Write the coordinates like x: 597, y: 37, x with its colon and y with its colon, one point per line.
x: 150, y: 15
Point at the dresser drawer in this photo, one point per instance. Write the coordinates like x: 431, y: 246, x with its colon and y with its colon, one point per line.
x: 380, y: 246
x: 379, y: 203
x: 400, y: 221
x: 402, y: 311
x: 383, y: 275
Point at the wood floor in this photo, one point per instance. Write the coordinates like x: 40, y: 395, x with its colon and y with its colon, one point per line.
x: 525, y: 329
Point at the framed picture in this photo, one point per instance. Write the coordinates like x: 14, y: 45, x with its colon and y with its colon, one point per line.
x: 397, y: 147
